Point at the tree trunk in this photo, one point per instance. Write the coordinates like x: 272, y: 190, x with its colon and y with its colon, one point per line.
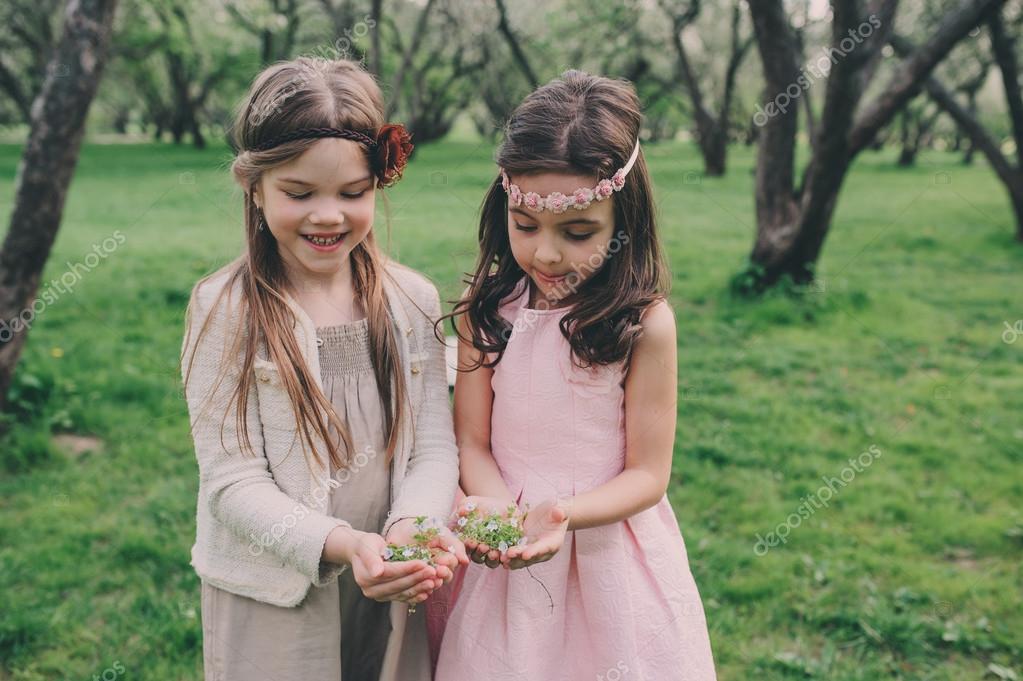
x: 711, y: 130
x: 776, y: 206
x: 792, y: 224
x: 715, y: 152
x: 47, y: 165
x: 198, y: 141
x: 376, y: 15
x: 1015, y: 189
x: 907, y: 156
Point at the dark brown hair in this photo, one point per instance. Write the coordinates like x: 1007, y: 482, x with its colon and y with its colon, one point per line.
x: 287, y: 96
x: 578, y: 124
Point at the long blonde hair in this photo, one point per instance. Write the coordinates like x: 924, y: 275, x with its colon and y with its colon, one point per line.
x: 303, y: 93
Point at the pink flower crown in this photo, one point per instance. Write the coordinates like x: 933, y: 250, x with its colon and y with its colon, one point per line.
x: 580, y: 199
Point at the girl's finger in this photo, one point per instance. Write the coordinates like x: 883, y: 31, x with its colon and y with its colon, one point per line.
x: 388, y: 589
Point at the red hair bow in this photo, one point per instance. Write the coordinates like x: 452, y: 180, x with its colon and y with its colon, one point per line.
x: 393, y: 147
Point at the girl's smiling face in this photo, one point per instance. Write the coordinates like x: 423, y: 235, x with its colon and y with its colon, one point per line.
x: 319, y: 206
x: 558, y: 252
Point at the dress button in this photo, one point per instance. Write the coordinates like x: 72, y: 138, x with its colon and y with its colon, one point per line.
x: 408, y: 331
x: 415, y: 370
x: 264, y: 378
x: 319, y: 342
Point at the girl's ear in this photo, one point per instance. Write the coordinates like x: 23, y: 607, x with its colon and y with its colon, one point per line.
x: 256, y: 198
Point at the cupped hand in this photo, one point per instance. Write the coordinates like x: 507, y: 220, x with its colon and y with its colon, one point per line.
x: 479, y: 552
x: 545, y: 527
x: 408, y: 581
x: 451, y: 551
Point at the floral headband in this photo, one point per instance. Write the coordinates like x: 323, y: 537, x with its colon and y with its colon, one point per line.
x: 389, y: 150
x: 580, y: 199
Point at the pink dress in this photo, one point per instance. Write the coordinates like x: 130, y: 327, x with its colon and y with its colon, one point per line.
x: 625, y: 605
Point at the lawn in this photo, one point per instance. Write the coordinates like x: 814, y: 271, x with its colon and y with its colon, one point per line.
x: 906, y: 355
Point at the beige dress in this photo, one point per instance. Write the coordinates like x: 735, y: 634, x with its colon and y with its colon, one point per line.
x: 335, y: 633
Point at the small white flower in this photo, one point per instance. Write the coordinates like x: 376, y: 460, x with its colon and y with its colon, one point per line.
x: 462, y: 522
x: 388, y: 553
x: 502, y: 547
x: 407, y: 551
x: 491, y: 526
x: 521, y: 542
x: 471, y: 506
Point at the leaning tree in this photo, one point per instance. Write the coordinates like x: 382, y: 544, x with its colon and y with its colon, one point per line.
x: 47, y: 164
x: 1004, y: 37
x: 793, y: 219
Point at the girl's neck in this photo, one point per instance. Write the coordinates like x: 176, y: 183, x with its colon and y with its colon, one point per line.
x: 328, y: 299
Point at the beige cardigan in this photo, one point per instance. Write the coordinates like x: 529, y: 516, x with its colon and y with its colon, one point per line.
x: 261, y: 521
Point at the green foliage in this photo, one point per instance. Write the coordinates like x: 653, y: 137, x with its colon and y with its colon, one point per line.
x: 499, y: 531
x: 419, y: 549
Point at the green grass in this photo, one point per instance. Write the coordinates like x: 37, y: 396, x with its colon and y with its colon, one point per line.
x: 912, y: 571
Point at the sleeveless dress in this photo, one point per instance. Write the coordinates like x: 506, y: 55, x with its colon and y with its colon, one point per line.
x: 622, y: 602
x: 335, y: 633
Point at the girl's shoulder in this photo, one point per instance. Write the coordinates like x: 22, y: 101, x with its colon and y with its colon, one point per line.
x: 659, y: 333
x: 415, y: 285
x: 657, y: 315
x: 222, y: 284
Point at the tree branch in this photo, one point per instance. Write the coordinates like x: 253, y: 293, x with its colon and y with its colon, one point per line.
x: 406, y: 58
x: 513, y: 44
x: 1004, y: 50
x: 909, y: 77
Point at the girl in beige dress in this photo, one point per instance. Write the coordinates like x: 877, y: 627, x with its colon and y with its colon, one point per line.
x: 318, y: 401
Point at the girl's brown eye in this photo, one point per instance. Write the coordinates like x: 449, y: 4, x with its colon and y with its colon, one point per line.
x: 579, y: 237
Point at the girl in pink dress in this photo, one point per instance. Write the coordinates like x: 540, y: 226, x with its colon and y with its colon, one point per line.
x: 565, y: 406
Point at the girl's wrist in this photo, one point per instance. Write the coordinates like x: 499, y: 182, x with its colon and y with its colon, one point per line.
x: 567, y: 505
x: 340, y: 546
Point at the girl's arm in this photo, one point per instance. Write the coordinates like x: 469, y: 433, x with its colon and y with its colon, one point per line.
x: 651, y: 395
x: 480, y: 478
x: 650, y: 403
x: 474, y: 398
x: 238, y: 487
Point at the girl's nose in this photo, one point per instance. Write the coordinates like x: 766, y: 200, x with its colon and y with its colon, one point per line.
x: 327, y: 214
x: 547, y: 254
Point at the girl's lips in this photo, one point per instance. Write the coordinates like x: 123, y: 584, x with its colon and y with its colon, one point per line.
x: 549, y: 280
x: 325, y: 248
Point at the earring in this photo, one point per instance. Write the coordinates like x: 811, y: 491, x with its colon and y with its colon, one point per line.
x: 262, y: 220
